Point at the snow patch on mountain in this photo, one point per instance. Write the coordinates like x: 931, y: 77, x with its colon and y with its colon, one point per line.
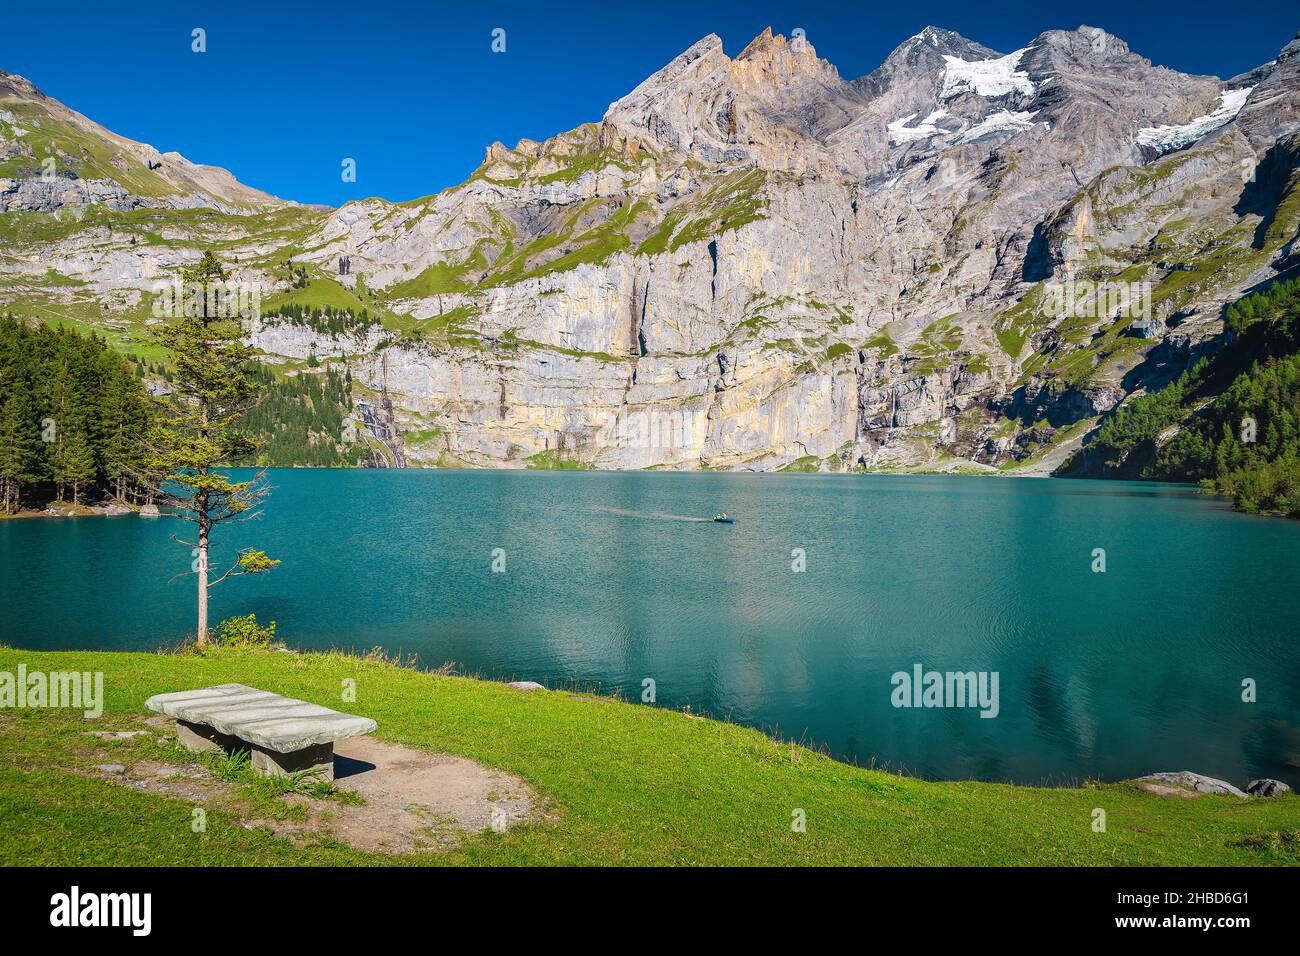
x: 900, y: 132
x: 1002, y: 121
x: 1169, y: 138
x: 997, y: 77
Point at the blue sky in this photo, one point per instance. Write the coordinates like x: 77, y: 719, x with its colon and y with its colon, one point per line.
x: 413, y: 91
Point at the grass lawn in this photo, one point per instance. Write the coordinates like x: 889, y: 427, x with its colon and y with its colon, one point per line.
x: 624, y: 784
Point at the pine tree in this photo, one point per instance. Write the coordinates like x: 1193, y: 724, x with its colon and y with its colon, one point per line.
x: 215, y: 388
x: 21, y: 451
x: 74, y: 461
x: 126, y: 419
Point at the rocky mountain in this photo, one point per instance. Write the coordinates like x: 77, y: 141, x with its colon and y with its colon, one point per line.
x: 752, y: 262
x: 52, y: 157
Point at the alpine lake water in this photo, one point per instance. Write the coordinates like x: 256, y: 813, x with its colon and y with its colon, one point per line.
x: 795, y: 619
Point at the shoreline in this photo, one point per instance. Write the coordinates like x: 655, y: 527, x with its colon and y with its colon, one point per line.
x: 723, y: 794
x: 186, y: 649
x: 64, y: 509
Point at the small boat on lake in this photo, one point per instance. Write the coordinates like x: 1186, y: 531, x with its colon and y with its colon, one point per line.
x: 723, y: 519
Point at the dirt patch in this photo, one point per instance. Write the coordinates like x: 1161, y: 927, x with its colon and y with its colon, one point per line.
x: 416, y: 800
x: 189, y: 782
x: 406, y: 800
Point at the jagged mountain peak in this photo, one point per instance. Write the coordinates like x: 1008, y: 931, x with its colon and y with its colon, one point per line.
x: 790, y: 84
x: 943, y: 41
x: 771, y: 105
x: 1087, y: 77
x: 922, y: 55
x: 1085, y: 42
x: 704, y: 44
x: 770, y: 62
x: 761, y: 43
x: 779, y: 59
x: 782, y: 58
x: 930, y: 34
x: 1088, y: 51
x: 706, y: 48
x: 702, y: 63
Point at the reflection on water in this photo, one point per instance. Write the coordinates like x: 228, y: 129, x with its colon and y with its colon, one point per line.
x: 613, y: 578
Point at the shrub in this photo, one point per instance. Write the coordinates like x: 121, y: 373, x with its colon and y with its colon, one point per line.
x: 245, y: 632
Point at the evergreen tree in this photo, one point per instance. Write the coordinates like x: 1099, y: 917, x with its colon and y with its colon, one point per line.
x: 1255, y: 381
x: 215, y: 387
x: 126, y: 422
x: 58, y: 394
x: 74, y: 462
x: 21, y: 452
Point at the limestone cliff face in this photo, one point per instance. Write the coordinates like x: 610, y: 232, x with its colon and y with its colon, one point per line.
x: 752, y: 262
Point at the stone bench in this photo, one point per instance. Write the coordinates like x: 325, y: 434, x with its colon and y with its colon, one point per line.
x: 282, y: 735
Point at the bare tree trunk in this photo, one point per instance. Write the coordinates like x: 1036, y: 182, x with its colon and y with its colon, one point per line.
x: 205, y: 528
x: 203, y: 588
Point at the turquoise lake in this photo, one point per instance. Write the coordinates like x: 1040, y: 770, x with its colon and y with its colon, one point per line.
x: 608, y: 582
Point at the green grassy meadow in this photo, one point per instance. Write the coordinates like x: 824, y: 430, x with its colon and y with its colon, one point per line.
x: 622, y: 784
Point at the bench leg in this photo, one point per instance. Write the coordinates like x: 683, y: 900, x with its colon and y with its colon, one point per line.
x: 201, y: 738
x: 318, y: 759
